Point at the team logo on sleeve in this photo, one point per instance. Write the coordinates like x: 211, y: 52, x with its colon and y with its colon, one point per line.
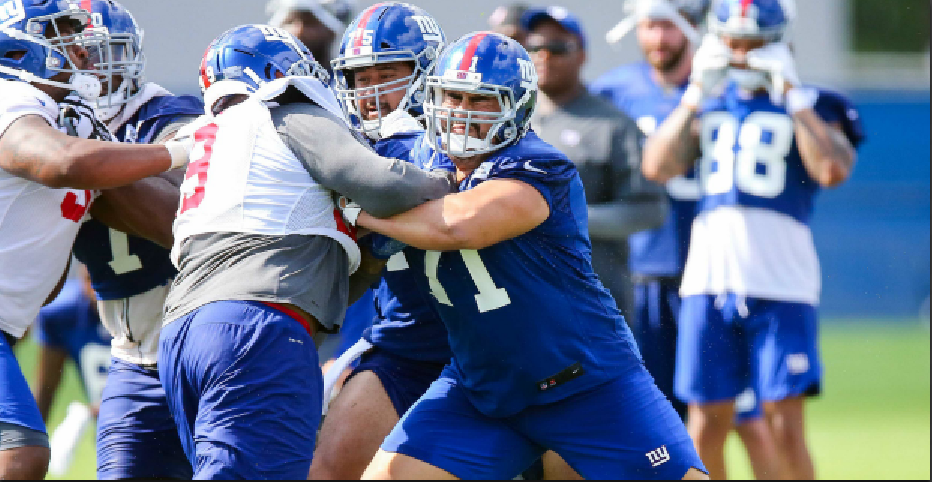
x: 658, y: 456
x: 11, y: 11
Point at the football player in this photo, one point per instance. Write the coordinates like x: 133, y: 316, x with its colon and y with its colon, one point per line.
x: 69, y: 328
x: 380, y: 77
x: 131, y: 275
x: 647, y: 91
x: 263, y: 255
x: 766, y: 145
x: 542, y: 358
x: 47, y: 180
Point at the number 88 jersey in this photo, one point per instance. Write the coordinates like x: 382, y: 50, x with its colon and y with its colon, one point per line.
x: 751, y: 236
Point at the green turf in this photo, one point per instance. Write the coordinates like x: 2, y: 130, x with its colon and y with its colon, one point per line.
x: 872, y: 422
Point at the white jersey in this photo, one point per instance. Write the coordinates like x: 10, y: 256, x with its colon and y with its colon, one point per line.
x: 242, y: 178
x: 38, y: 224
x: 752, y: 252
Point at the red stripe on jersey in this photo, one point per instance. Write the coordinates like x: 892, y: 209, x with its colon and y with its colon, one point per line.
x: 365, y: 21
x: 470, y: 51
x: 744, y: 7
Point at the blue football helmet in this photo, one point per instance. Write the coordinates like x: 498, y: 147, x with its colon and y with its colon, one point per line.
x: 686, y: 14
x: 765, y: 19
x: 483, y: 63
x: 385, y: 33
x: 33, y: 48
x: 121, y: 58
x: 246, y: 57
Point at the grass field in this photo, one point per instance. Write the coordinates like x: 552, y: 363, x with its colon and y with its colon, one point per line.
x: 872, y: 422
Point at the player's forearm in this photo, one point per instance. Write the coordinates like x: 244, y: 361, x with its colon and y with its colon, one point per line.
x: 670, y: 150
x: 386, y: 187
x: 48, y: 378
x: 618, y: 220
x: 32, y: 149
x: 144, y: 208
x: 825, y: 151
x: 424, y: 227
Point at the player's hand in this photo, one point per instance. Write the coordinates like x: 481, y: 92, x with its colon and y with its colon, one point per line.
x: 77, y: 119
x: 777, y: 61
x: 710, y: 68
x: 398, y: 122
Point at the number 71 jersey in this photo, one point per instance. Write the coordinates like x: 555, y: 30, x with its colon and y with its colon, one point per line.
x: 528, y: 320
x: 751, y: 236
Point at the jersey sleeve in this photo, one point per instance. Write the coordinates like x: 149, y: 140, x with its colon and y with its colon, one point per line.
x: 835, y: 108
x: 547, y: 176
x: 19, y: 99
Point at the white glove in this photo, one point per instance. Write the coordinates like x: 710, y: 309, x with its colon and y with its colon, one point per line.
x: 777, y: 61
x: 182, y: 144
x: 349, y: 209
x: 710, y: 68
x: 398, y: 122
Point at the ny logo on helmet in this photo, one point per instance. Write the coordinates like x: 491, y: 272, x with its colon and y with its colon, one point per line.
x: 528, y: 74
x: 11, y: 11
x: 429, y: 28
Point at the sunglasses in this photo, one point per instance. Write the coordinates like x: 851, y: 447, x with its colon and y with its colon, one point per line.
x: 554, y: 48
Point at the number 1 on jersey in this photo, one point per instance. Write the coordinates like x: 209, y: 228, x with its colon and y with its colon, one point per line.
x: 123, y: 262
x: 490, y: 297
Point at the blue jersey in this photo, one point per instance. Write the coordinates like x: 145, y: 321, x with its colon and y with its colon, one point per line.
x: 71, y: 324
x: 408, y: 324
x: 661, y: 251
x: 750, y: 157
x: 529, y: 321
x: 121, y: 265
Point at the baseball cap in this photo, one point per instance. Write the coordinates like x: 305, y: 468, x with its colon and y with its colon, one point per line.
x: 561, y: 15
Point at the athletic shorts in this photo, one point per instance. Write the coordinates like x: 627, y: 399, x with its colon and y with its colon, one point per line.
x: 245, y: 389
x: 728, y: 344
x: 404, y: 380
x: 21, y: 424
x: 136, y: 434
x: 623, y: 429
x: 656, y: 305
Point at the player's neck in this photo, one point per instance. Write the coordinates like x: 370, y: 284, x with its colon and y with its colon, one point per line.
x: 674, y: 76
x: 466, y: 165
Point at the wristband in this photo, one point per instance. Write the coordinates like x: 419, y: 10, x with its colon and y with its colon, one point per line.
x: 692, y: 98
x: 801, y: 98
x: 178, y: 152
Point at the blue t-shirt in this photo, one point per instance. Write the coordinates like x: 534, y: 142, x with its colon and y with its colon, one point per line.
x: 121, y: 265
x: 660, y: 251
x: 529, y: 321
x: 750, y: 156
x: 70, y: 323
x: 408, y: 324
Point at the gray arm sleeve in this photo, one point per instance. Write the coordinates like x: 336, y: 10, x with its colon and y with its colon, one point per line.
x: 638, y: 203
x: 340, y: 162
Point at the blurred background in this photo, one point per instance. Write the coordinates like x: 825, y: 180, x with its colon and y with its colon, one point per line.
x: 872, y: 233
